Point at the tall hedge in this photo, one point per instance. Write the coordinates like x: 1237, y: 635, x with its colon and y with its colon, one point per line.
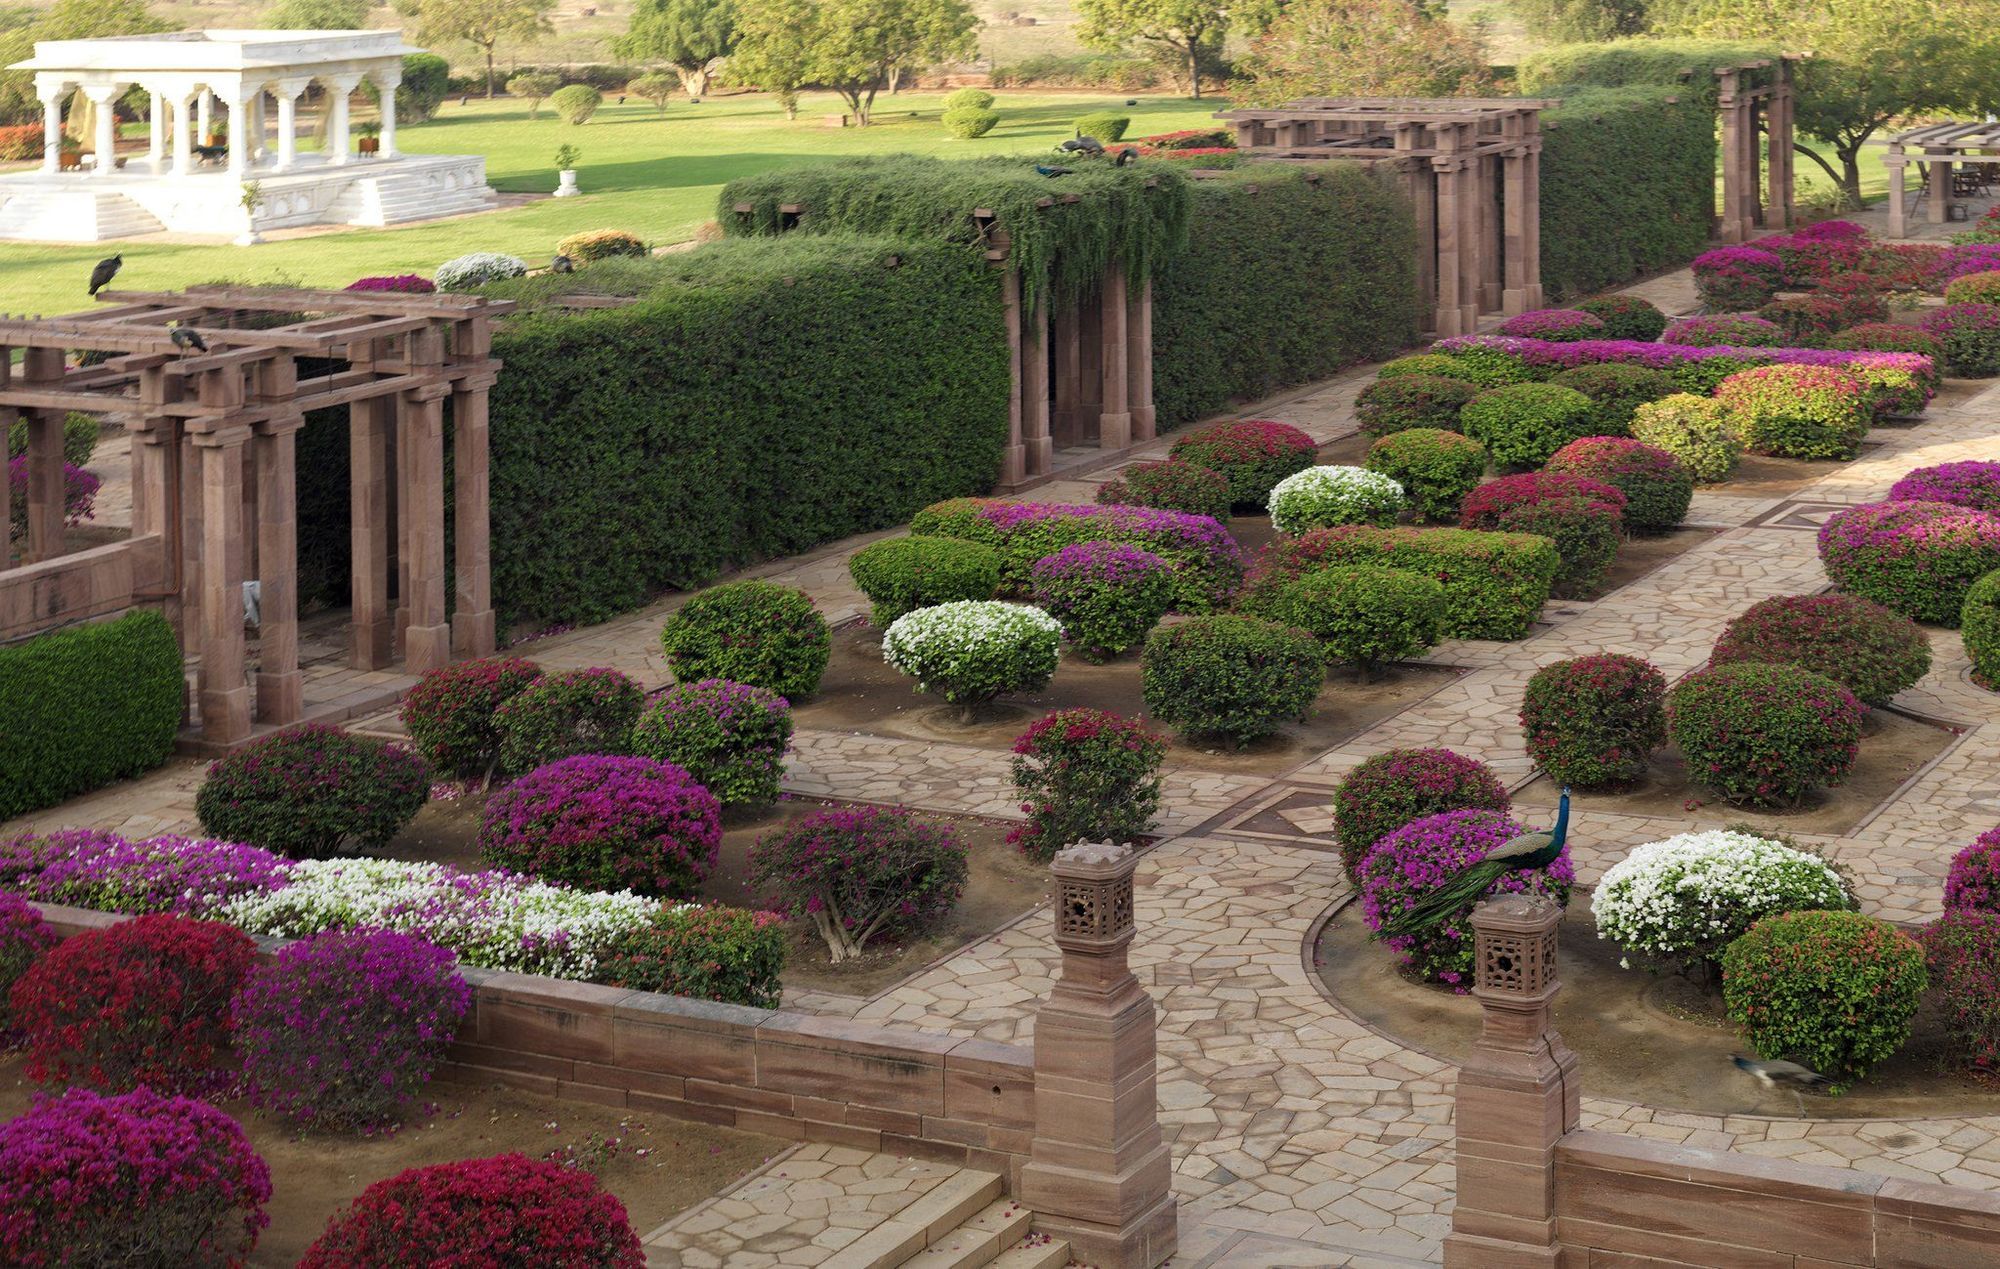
x: 1623, y: 63
x: 1289, y: 275
x: 82, y: 707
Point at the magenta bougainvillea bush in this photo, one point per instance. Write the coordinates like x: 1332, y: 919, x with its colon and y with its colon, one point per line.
x: 1831, y: 230
x: 1657, y: 486
x: 1915, y: 558
x: 1687, y: 362
x: 80, y: 488
x: 731, y: 737
x: 1085, y: 775
x: 1962, y: 956
x: 87, y: 868
x: 1733, y: 279
x: 1798, y: 411
x: 405, y: 283
x: 1107, y: 595
x: 136, y: 1179
x: 1967, y: 258
x: 857, y: 872
x: 1974, y: 879
x: 1809, y: 261
x: 1714, y: 330
x: 1861, y: 645
x: 1967, y: 483
x: 343, y: 1029
x: 1254, y: 453
x: 606, y: 823
x: 1396, y: 786
x: 1561, y: 325
x: 1596, y: 720
x: 1421, y: 856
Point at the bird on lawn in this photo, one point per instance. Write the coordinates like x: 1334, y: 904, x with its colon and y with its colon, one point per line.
x: 186, y: 338
x: 1789, y: 1075
x: 1530, y: 852
x: 106, y: 269
x: 1081, y: 144
x: 562, y: 264
x: 1053, y: 172
x: 1126, y: 155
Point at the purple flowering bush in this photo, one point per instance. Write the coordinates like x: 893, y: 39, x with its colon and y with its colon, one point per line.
x: 24, y: 937
x: 859, y: 872
x: 450, y: 712
x: 312, y: 791
x: 562, y: 715
x: 1962, y: 956
x: 400, y: 283
x: 1968, y: 483
x: 1396, y: 786
x: 1561, y: 325
x: 1764, y: 735
x: 1965, y: 258
x: 1733, y: 279
x: 1694, y: 368
x: 1107, y: 595
x: 1716, y: 330
x: 1916, y: 558
x: 1970, y: 335
x: 606, y: 823
x: 343, y: 1029
x: 1974, y: 879
x: 1421, y: 856
x: 136, y: 1179
x: 79, y: 495
x: 731, y: 737
x: 87, y: 868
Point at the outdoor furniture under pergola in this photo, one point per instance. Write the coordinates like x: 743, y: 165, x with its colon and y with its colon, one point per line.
x: 214, y: 499
x: 1471, y: 167
x: 1753, y: 98
x: 1946, y: 152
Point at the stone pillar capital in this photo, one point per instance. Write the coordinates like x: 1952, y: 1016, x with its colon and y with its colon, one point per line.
x: 101, y: 95
x: 1094, y: 897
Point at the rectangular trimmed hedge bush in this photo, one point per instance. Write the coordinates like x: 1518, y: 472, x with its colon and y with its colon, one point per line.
x: 82, y: 707
x: 1494, y: 583
x: 1622, y: 63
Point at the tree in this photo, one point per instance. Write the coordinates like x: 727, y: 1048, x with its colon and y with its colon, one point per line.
x: 1361, y: 48
x: 1583, y: 21
x: 64, y: 20
x: 855, y: 47
x: 317, y: 15
x: 534, y: 86
x: 482, y: 23
x: 653, y: 88
x: 687, y: 35
x: 1193, y: 29
x: 774, y: 48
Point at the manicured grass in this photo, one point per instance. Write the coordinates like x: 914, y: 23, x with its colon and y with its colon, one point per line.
x: 653, y: 174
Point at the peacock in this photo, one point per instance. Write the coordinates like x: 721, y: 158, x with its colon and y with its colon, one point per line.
x: 1530, y: 852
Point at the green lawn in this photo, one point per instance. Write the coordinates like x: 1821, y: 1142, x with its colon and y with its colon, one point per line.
x: 656, y: 175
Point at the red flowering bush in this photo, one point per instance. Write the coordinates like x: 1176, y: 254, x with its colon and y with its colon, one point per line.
x: 1764, y: 735
x: 449, y: 713
x: 1974, y: 288
x: 1254, y: 454
x: 859, y: 871
x: 1812, y: 260
x: 1626, y: 317
x: 1400, y: 402
x: 343, y: 1029
x: 602, y: 822
x: 24, y: 938
x: 704, y: 953
x: 478, y: 1214
x: 1962, y: 956
x: 1970, y: 336
x: 142, y: 1002
x: 1658, y: 487
x: 20, y: 141
x: 1436, y: 468
x: 562, y: 715
x: 313, y: 791
x: 1734, y: 330
x: 1556, y: 325
x: 1584, y: 518
x: 1974, y: 879
x: 1887, y: 337
x: 1797, y: 411
x: 1085, y: 775
x: 1872, y: 652
x: 1916, y: 558
x: 1808, y: 320
x: 136, y: 1179
x: 1906, y: 266
x: 1596, y: 720
x: 1732, y: 279
x: 1172, y: 485
x: 1396, y: 786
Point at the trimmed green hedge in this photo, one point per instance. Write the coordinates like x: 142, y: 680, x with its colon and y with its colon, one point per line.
x: 1494, y: 583
x: 82, y: 707
x: 1622, y: 63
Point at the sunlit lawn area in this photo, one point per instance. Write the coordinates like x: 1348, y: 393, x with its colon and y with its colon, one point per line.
x: 653, y: 174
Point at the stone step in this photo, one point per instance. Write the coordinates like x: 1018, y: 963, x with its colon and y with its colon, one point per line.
x: 979, y: 1241
x: 913, y: 1229
x: 1034, y: 1251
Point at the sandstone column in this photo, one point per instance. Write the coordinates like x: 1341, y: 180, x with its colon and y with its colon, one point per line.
x: 427, y: 638
x: 372, y: 626
x: 224, y: 692
x: 43, y: 368
x: 1014, y: 462
x: 1040, y: 448
x: 472, y: 622
x: 1114, y: 419
x: 280, y: 685
x: 1139, y: 363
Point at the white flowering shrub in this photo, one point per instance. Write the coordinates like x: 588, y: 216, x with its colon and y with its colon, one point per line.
x: 1321, y: 497
x: 972, y: 650
x: 477, y: 269
x: 1677, y: 903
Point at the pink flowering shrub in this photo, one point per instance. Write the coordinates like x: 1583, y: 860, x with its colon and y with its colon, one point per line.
x: 1107, y: 595
x: 1811, y: 319
x: 1583, y: 517
x: 562, y: 715
x: 343, y: 1029
x: 1974, y: 879
x: 1716, y: 330
x: 79, y: 495
x: 24, y: 937
x: 731, y: 737
x: 1860, y: 645
x: 1421, y: 856
x: 1966, y: 258
x: 1798, y: 411
x: 1974, y: 288
x: 136, y: 1179
x: 860, y: 871
x: 1764, y: 735
x: 1085, y: 775
x: 450, y: 712
x: 1970, y: 336
x: 313, y: 791
x: 1595, y: 721
x: 1966, y: 483
x: 87, y: 868
x: 1732, y: 279
x: 1916, y: 558
x: 1558, y: 324
x: 1887, y: 337
x: 1657, y: 486
x: 602, y: 822
x: 1833, y: 230
x: 1808, y: 261
x: 403, y: 283
x: 1254, y: 453
x: 1962, y: 955
x: 1396, y: 786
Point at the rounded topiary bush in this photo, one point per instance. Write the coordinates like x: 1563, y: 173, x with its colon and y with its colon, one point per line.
x: 1232, y: 677
x: 136, y: 1179
x: 1396, y: 403
x: 1255, y: 454
x: 1397, y: 786
x: 600, y: 244
x: 1107, y: 126
x: 449, y: 713
x: 1763, y: 735
x: 576, y: 103
x: 750, y: 632
x: 969, y: 99
x: 1658, y: 487
x: 145, y: 1001
x: 1872, y: 652
x: 313, y: 791
x: 1085, y: 775
x: 857, y: 872
x: 1436, y: 468
x: 506, y: 1210
x: 1172, y: 485
x: 1107, y: 595
x: 1677, y: 903
x: 1968, y: 483
x: 1489, y: 366
x: 968, y: 123
x: 343, y: 1029
x: 476, y: 269
x: 1979, y: 629
x: 904, y: 574
x: 562, y: 715
x: 1797, y: 411
x: 24, y: 938
x: 1732, y: 330
x: 1322, y: 497
x: 1584, y: 518
x: 1970, y: 337
x: 1732, y: 279
x: 1916, y: 558
x: 1974, y: 878
x: 1627, y: 317
x: 1595, y: 721
x: 731, y: 737
x: 1616, y: 390
x: 1409, y: 862
x: 1478, y: 373
x: 1833, y: 990
x: 1961, y: 953
x: 1362, y: 615
x: 1696, y: 430
x: 1887, y: 337
x: 972, y: 651
x: 606, y: 823
x: 1557, y: 325
x: 1522, y: 424
x: 1973, y: 288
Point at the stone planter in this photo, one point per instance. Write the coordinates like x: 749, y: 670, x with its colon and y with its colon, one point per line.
x: 369, y: 145
x: 566, y: 184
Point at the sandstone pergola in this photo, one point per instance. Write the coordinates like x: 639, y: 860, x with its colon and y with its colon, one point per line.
x: 1471, y: 167
x: 1756, y: 99
x: 1948, y: 151
x: 214, y: 500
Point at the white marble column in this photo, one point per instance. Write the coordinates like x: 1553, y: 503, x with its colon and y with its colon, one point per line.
x: 260, y: 131
x: 288, y: 91
x: 387, y: 81
x: 205, y: 125
x: 52, y: 131
x: 183, y: 142
x: 106, y: 142
x: 156, y: 141
x: 339, y: 88
x: 241, y: 141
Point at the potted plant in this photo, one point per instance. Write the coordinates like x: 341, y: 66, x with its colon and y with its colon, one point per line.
x: 69, y: 154
x: 370, y: 137
x: 567, y: 157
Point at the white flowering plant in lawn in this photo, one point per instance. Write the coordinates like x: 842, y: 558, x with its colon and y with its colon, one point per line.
x: 1675, y: 904
x: 972, y: 650
x: 1322, y: 497
x: 477, y: 269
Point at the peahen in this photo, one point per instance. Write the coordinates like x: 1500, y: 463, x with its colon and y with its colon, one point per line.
x: 1530, y: 852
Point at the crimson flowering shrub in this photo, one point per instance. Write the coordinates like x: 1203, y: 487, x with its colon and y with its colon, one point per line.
x: 142, y: 1002
x: 1732, y: 279
x: 1810, y: 261
x: 1617, y: 390
x: 705, y: 953
x: 861, y: 871
x: 1916, y: 558
x: 1421, y: 856
x: 449, y: 713
x: 1172, y: 485
x: 183, y: 876
x: 24, y: 937
x: 605, y: 822
x: 313, y: 791
x: 1583, y: 517
x: 1522, y: 424
x: 1254, y: 454
x: 1724, y: 330
x: 80, y: 488
x: 1872, y: 652
x: 1836, y: 230
x: 1970, y: 336
x: 1888, y: 337
x: 1764, y: 735
x: 403, y: 283
x: 1436, y: 468
x: 562, y: 715
x: 1107, y: 595
x: 1658, y: 487
x: 506, y: 1210
x: 1906, y: 266
x: 1974, y: 879
x: 1560, y: 325
x: 1810, y: 319
x: 753, y: 632
x: 731, y: 737
x: 1798, y: 411
x: 343, y: 1029
x: 1402, y: 402
x: 1596, y: 720
x: 135, y: 1179
x: 1962, y: 958
x: 1967, y: 483
x: 1397, y: 786
x: 1234, y: 677
x: 1626, y: 316
x: 1085, y: 775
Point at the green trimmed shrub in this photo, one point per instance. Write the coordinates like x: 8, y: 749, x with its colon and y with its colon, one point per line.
x: 1872, y: 652
x: 1441, y: 366
x: 1694, y: 429
x: 1104, y: 125
x: 1970, y: 336
x: 600, y: 244
x: 576, y: 103
x: 1362, y: 615
x: 1395, y: 403
x: 1522, y: 424
x: 1764, y: 735
x: 970, y: 123
x: 80, y: 433
x: 85, y: 706
x: 1435, y: 468
x: 900, y: 575
x: 313, y: 791
x: 969, y: 99
x: 724, y: 954
x: 1171, y: 485
x: 1798, y: 411
x: 1396, y: 786
x: 1973, y: 288
x: 1494, y: 583
x: 1255, y: 454
x: 1616, y: 390
x: 1979, y: 628
x: 567, y: 713
x: 1627, y: 317
x: 1658, y: 487
x: 1593, y: 722
x: 1232, y: 677
x: 752, y: 632
x: 1489, y: 367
